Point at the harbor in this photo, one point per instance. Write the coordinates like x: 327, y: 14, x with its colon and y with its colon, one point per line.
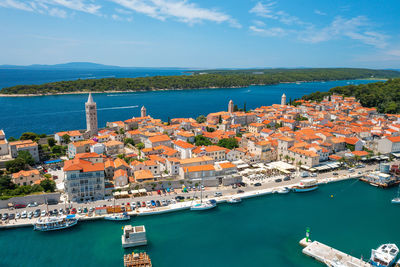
x: 275, y: 223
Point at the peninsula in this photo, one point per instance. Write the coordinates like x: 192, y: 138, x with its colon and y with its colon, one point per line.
x: 199, y: 80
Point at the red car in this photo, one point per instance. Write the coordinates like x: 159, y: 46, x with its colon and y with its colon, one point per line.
x: 143, y: 204
x: 19, y: 206
x: 73, y: 211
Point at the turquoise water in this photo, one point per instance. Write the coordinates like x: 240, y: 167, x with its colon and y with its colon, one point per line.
x: 262, y: 231
x: 50, y: 114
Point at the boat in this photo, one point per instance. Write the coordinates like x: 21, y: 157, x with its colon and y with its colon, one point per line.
x: 284, y: 190
x: 234, y: 200
x: 203, y: 205
x: 306, y: 185
x: 140, y: 259
x: 396, y: 200
x: 133, y: 236
x: 55, y: 223
x: 384, y: 256
x: 118, y: 217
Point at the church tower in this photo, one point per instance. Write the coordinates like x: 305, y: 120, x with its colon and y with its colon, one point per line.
x: 283, y: 100
x: 143, y: 112
x: 91, y: 116
x: 230, y: 106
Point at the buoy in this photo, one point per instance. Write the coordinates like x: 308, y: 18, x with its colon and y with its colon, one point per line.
x: 331, y: 195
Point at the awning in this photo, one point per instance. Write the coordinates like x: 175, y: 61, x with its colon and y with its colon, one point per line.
x: 142, y: 190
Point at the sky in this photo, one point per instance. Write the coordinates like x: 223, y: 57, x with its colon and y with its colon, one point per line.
x: 202, y: 33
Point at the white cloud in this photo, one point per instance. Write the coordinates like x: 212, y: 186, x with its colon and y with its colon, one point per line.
x: 120, y: 18
x: 270, y: 32
x: 54, y: 8
x: 394, y: 52
x: 267, y: 10
x: 319, y: 12
x: 357, y: 28
x: 180, y: 10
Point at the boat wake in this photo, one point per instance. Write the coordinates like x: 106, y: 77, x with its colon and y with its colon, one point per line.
x: 118, y: 107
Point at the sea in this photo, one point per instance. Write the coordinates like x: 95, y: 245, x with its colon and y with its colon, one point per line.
x: 351, y: 216
x: 51, y: 114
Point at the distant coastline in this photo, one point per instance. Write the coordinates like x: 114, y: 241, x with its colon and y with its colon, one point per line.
x: 171, y: 89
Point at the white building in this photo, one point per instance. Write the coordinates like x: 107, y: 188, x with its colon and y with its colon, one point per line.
x: 389, y: 145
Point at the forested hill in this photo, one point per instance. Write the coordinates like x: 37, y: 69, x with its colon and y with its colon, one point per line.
x: 385, y: 96
x: 198, y: 80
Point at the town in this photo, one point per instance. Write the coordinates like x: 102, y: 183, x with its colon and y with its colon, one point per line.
x: 143, y: 158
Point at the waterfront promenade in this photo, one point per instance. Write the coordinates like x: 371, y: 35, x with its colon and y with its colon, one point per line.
x: 227, y: 193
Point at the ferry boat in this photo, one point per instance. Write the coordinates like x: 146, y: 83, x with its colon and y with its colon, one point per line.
x: 55, y: 223
x: 234, y: 200
x: 384, y: 256
x: 118, y: 217
x: 306, y: 185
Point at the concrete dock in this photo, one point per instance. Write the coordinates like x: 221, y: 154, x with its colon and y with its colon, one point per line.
x: 330, y: 256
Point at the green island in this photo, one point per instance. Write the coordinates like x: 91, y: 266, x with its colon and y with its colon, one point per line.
x: 385, y: 96
x: 201, y: 79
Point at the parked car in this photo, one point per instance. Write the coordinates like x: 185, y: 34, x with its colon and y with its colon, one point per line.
x: 143, y: 204
x: 138, y: 204
x: 43, y: 213
x: 164, y: 203
x: 4, y: 217
x: 33, y: 204
x: 24, y: 214
x: 11, y: 216
x: 36, y: 213
x: 287, y: 178
x: 240, y: 191
x: 178, y: 198
x: 158, y: 204
x: 257, y: 184
x: 153, y: 203
x: 79, y: 210
x: 234, y: 186
x: 335, y: 173
x: 19, y: 206
x: 133, y: 206
x: 278, y: 180
x: 217, y: 194
x: 30, y: 215
x: 18, y: 215
x: 73, y: 211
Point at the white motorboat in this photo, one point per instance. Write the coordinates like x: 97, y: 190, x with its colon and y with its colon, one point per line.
x: 396, y: 200
x: 234, y: 200
x: 384, y: 256
x: 118, y: 217
x: 55, y: 223
x: 284, y: 190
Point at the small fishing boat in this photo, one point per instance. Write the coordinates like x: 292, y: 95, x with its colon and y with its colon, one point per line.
x: 55, y: 223
x: 396, y: 200
x: 284, y: 190
x: 118, y: 217
x: 233, y: 200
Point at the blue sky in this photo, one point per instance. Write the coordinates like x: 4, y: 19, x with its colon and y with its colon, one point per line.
x: 202, y: 33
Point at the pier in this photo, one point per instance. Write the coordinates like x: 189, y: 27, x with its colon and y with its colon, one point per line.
x: 330, y: 256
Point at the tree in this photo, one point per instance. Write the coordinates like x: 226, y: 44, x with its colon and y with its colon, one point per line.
x: 244, y: 107
x: 26, y: 156
x: 201, y: 119
x: 129, y: 141
x: 200, y: 140
x: 48, y: 185
x: 121, y: 131
x: 235, y: 108
x: 29, y: 136
x: 51, y: 141
x: 66, y: 138
x: 219, y: 119
x: 15, y: 165
x: 57, y: 149
x: 287, y: 158
x: 210, y: 129
x: 139, y: 146
x: 228, y: 143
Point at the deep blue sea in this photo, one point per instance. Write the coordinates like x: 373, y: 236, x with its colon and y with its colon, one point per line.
x: 50, y: 114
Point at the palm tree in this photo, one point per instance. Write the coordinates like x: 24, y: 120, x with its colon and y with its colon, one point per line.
x: 287, y: 158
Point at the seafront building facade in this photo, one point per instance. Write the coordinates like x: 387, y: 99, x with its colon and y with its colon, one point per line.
x: 84, y: 177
